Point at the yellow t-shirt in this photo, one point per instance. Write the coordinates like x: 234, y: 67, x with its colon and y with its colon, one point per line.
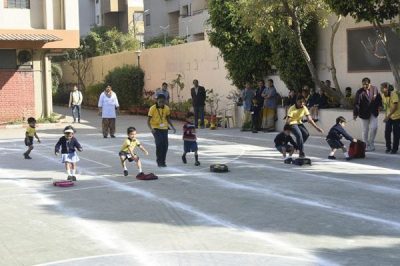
x: 31, y: 131
x: 159, y: 117
x: 388, y: 103
x: 296, y: 115
x: 130, y: 144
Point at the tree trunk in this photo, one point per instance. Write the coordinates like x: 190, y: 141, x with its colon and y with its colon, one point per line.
x: 335, y: 28
x: 395, y: 70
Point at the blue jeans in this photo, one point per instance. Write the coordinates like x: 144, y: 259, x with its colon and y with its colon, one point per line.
x: 301, y: 134
x: 392, y: 126
x: 161, y: 140
x: 198, y: 112
x: 76, y: 112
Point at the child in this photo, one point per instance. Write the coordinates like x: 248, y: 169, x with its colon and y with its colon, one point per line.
x: 128, y: 151
x: 69, y: 144
x: 282, y: 144
x: 334, y: 136
x: 29, y: 134
x: 190, y: 140
x: 255, y: 114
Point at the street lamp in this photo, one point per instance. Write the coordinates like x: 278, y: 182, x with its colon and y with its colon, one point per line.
x: 165, y: 33
x: 138, y: 54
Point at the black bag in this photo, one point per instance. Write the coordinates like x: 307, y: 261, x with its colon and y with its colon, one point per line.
x: 219, y: 168
x: 302, y: 161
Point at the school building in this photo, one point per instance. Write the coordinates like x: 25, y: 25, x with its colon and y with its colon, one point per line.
x: 31, y: 32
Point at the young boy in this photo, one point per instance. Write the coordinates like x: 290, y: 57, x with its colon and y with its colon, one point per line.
x: 335, y: 135
x: 295, y: 120
x: 282, y: 141
x: 190, y: 139
x: 127, y: 151
x: 29, y: 134
x: 255, y: 114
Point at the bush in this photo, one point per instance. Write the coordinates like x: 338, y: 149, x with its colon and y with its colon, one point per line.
x: 61, y: 94
x: 158, y: 42
x: 127, y: 82
x: 92, y: 94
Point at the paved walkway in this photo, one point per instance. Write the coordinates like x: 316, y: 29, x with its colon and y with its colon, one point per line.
x: 260, y: 213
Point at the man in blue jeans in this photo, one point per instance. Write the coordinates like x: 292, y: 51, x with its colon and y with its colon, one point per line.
x: 75, y: 101
x: 294, y: 119
x: 199, y: 101
x: 158, y: 121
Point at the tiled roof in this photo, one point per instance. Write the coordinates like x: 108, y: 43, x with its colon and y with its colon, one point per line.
x: 29, y: 37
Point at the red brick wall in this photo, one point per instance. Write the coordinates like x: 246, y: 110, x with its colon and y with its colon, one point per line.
x: 17, y: 99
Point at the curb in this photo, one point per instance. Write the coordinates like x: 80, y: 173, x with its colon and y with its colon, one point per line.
x: 45, y: 126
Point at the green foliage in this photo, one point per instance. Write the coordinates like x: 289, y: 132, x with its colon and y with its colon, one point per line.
x: 371, y: 10
x: 288, y: 60
x: 179, y: 85
x: 245, y: 58
x: 127, y: 82
x: 183, y: 106
x: 92, y: 93
x: 56, y: 76
x: 103, y: 40
x: 61, y: 94
x: 158, y: 42
x: 213, y: 99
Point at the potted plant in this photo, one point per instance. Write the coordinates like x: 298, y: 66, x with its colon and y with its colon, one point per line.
x: 213, y: 99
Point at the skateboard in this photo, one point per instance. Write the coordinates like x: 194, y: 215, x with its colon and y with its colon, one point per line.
x: 63, y: 183
x: 146, y: 177
x: 219, y: 168
x: 301, y: 161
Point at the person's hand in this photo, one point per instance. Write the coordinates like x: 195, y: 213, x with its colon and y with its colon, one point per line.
x: 69, y: 106
x: 354, y: 140
x: 386, y: 119
x: 146, y: 152
x: 320, y: 130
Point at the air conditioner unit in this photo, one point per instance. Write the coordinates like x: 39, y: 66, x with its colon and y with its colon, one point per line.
x: 24, y: 58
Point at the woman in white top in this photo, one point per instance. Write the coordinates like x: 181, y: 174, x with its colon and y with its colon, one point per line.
x: 108, y: 108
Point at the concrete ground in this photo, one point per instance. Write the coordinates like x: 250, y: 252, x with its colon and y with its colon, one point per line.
x: 260, y: 213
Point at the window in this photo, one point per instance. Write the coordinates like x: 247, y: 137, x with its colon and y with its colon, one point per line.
x: 185, y: 11
x: 97, y: 20
x: 17, y: 3
x: 8, y: 59
x: 97, y: 1
x: 147, y: 20
x: 138, y: 16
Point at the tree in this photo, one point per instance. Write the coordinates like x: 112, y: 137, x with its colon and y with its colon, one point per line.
x: 246, y: 60
x: 56, y: 76
x: 264, y: 16
x: 78, y: 59
x: 375, y: 12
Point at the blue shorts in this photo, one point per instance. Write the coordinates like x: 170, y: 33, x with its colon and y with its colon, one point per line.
x: 287, y: 147
x: 190, y: 146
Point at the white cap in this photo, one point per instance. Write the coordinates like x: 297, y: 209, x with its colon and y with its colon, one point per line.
x: 69, y: 130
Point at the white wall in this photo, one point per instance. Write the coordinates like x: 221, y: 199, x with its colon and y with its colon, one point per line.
x: 87, y: 17
x: 14, y: 18
x: 71, y: 14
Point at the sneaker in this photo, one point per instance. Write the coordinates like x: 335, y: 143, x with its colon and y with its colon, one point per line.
x: 302, y: 154
x: 316, y: 120
x: 348, y: 158
x: 26, y: 156
x: 113, y: 136
x: 125, y: 172
x: 69, y: 178
x: 331, y: 157
x: 393, y: 152
x: 73, y: 178
x: 184, y: 159
x: 388, y: 151
x: 105, y: 137
x: 163, y: 165
x: 197, y: 163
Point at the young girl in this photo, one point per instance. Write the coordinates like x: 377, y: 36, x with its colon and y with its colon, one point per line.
x: 127, y: 151
x: 69, y: 144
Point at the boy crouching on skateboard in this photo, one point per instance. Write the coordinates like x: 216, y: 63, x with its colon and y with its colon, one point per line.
x: 282, y: 141
x: 128, y: 151
x: 190, y: 139
x: 335, y: 135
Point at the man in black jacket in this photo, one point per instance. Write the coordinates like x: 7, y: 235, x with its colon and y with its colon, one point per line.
x: 367, y: 103
x: 199, y: 101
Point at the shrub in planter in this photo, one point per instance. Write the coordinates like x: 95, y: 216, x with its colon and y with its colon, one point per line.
x: 92, y: 93
x: 127, y: 82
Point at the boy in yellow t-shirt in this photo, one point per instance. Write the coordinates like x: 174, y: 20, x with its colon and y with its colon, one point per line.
x: 294, y: 119
x: 158, y: 122
x: 391, y: 104
x: 127, y: 151
x: 29, y: 134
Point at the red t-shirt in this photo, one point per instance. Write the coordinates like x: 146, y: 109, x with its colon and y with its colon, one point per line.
x: 189, y: 132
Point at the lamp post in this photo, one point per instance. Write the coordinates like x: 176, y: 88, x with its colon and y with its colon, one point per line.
x: 138, y: 54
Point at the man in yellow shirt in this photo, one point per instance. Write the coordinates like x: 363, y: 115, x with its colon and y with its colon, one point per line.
x: 158, y: 122
x: 390, y: 100
x: 294, y: 119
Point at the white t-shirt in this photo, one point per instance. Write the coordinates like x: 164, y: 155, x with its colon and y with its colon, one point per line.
x: 108, y: 105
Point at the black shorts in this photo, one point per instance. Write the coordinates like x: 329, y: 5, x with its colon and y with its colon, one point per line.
x: 128, y: 156
x: 190, y: 146
x: 28, y: 141
x: 287, y: 147
x: 335, y: 144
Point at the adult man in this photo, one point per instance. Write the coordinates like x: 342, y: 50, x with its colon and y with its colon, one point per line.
x: 391, y: 104
x: 247, y: 96
x: 366, y: 106
x: 108, y: 105
x: 163, y: 90
x: 260, y: 102
x: 158, y: 121
x: 348, y: 101
x: 269, y: 94
x: 75, y: 101
x: 199, y: 101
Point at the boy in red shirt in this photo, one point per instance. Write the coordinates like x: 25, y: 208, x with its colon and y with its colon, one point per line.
x: 190, y: 139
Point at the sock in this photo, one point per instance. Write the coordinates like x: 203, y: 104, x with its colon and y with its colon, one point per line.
x: 73, y: 171
x: 346, y: 154
x: 68, y: 172
x: 332, y: 153
x: 140, y: 170
x: 289, y: 156
x: 125, y: 168
x: 196, y: 157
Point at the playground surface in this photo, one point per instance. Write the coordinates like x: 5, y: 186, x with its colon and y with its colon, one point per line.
x: 262, y: 212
